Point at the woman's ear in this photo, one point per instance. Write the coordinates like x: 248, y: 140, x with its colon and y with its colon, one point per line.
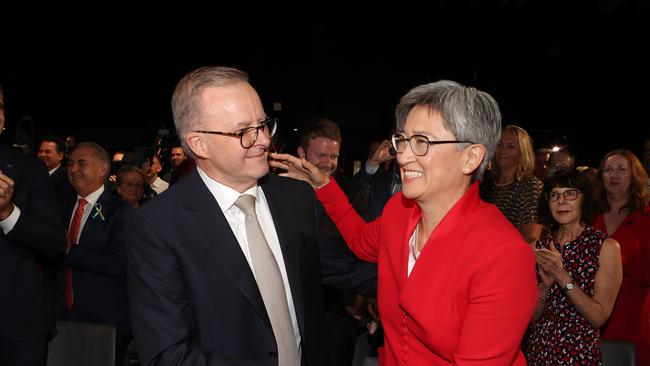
x: 472, y: 158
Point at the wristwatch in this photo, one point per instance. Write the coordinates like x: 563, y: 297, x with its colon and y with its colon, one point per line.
x: 569, y: 286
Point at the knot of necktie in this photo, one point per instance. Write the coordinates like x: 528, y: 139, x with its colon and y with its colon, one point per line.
x: 246, y: 203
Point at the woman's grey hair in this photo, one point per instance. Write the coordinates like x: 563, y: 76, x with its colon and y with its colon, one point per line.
x: 185, y: 107
x: 469, y: 114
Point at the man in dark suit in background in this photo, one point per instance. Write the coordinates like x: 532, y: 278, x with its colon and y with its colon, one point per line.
x: 31, y: 232
x: 92, y: 287
x: 345, y: 301
x: 51, y: 153
x: 200, y: 262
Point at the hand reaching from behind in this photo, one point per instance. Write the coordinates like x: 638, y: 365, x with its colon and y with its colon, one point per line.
x: 299, y: 169
x: 382, y: 154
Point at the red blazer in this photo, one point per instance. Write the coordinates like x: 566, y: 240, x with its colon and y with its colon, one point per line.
x: 471, y: 293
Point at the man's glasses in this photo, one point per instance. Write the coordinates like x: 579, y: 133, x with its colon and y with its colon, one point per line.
x: 569, y: 195
x: 419, y: 144
x: 248, y: 136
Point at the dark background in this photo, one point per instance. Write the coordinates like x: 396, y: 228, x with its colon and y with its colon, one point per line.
x: 570, y: 72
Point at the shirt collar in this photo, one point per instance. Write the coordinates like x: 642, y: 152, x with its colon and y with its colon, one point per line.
x: 225, y: 195
x: 93, y: 197
x: 54, y: 169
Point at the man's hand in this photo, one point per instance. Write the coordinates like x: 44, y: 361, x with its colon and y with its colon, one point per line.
x: 6, y: 195
x: 382, y: 154
x: 299, y: 169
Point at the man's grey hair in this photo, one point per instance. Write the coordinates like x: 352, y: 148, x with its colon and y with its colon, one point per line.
x: 99, y: 152
x: 185, y: 107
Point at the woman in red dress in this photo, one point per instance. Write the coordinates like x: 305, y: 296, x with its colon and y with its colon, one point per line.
x: 456, y: 281
x: 623, y: 200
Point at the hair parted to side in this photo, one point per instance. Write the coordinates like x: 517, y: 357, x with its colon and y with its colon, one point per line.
x: 98, y: 152
x: 639, y: 192
x: 319, y: 127
x: 185, y: 109
x: 60, y: 145
x: 526, y: 165
x: 468, y: 113
x: 126, y: 169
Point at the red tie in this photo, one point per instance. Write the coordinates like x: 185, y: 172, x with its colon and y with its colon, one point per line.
x: 72, y: 235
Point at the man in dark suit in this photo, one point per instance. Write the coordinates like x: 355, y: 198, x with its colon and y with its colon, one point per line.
x: 320, y: 144
x: 51, y: 153
x: 31, y: 232
x: 92, y: 286
x: 198, y: 292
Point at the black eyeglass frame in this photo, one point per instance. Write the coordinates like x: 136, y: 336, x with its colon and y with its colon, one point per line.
x: 563, y: 194
x: 240, y: 133
x: 400, y: 136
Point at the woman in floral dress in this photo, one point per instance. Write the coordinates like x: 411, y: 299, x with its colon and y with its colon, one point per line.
x: 580, y: 273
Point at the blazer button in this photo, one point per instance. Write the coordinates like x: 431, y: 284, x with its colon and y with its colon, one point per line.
x: 273, y: 354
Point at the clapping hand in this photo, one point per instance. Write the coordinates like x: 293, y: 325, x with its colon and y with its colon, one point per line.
x: 550, y: 263
x: 6, y: 196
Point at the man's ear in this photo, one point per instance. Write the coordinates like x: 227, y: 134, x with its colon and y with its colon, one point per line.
x: 301, y: 153
x: 472, y: 158
x: 106, y: 169
x: 196, y: 143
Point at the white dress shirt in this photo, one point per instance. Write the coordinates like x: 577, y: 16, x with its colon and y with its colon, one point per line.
x: 236, y: 218
x: 91, y: 201
x: 159, y: 185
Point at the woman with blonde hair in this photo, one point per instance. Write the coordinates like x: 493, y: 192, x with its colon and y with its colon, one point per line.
x: 130, y: 184
x: 512, y: 186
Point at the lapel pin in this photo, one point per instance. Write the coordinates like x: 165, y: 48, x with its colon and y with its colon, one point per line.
x: 98, y: 211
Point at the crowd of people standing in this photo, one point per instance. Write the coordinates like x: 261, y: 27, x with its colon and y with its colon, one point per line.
x: 450, y: 238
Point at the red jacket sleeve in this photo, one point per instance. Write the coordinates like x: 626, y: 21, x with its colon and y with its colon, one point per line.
x: 361, y: 237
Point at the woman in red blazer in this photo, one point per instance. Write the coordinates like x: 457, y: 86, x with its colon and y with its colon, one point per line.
x: 456, y: 280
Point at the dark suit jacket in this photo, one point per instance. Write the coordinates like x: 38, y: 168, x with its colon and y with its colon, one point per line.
x: 98, y: 264
x: 37, y: 236
x: 62, y: 187
x: 194, y: 300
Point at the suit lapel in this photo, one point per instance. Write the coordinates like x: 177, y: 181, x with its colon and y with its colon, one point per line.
x: 92, y: 222
x: 283, y: 213
x: 214, y: 233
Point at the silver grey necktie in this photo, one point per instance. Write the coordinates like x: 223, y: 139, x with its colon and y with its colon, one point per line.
x: 270, y: 284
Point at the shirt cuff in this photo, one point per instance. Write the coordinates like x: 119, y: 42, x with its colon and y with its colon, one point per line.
x: 8, y: 224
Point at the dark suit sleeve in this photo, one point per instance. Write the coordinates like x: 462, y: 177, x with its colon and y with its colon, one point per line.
x: 162, y: 315
x: 340, y: 268
x: 357, y: 195
x: 109, y: 259
x: 362, y: 178
x: 39, y: 225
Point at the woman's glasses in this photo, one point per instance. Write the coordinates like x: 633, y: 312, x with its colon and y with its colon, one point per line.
x: 569, y: 195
